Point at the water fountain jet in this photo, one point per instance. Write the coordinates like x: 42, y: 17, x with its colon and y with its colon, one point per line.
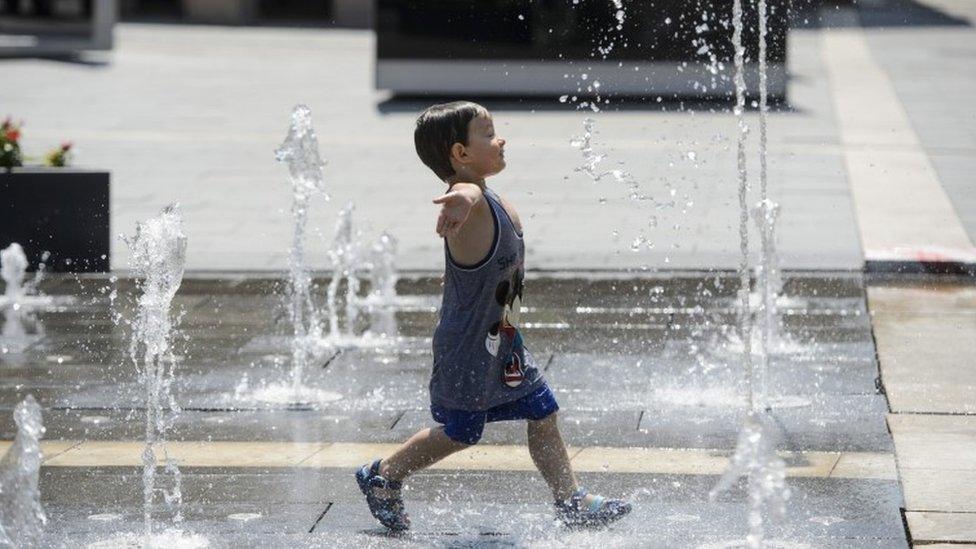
x: 755, y: 456
x: 158, y: 253
x: 300, y: 151
x: 344, y: 255
x: 22, y: 516
x: 20, y: 327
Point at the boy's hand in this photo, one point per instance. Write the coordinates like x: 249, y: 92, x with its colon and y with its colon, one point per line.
x: 456, y: 207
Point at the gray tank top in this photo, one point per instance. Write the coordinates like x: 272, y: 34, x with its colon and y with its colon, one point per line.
x: 479, y: 359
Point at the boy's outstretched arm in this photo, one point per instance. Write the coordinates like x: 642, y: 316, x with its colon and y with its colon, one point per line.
x: 456, y: 207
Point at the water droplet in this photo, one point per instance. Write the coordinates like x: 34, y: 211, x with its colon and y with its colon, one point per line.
x: 244, y: 517
x: 105, y: 517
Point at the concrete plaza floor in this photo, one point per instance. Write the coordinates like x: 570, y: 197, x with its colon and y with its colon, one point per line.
x: 871, y: 160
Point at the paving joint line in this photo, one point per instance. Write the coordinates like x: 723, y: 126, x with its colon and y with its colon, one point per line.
x: 920, y: 413
x: 62, y: 452
x: 397, y: 419
x: 331, y: 359
x: 904, y: 525
x: 577, y: 453
x: 322, y: 447
x: 830, y: 474
x: 321, y: 516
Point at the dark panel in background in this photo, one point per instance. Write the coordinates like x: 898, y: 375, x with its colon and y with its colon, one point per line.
x: 558, y: 29
x: 61, y: 211
x: 55, y: 26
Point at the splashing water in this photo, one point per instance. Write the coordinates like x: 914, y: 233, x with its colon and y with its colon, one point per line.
x: 382, y: 298
x: 383, y: 274
x: 170, y: 538
x: 20, y: 299
x: 18, y: 291
x: 344, y: 255
x: 770, y: 282
x: 770, y: 287
x: 755, y: 456
x: 22, y: 517
x: 300, y: 151
x: 592, y: 160
x: 755, y: 459
x: 14, y: 336
x: 743, y: 130
x: 13, y: 270
x: 158, y: 253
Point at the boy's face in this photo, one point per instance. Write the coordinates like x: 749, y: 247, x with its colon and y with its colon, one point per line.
x: 485, y: 153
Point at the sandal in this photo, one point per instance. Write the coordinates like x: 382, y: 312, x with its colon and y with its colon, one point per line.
x: 388, y: 509
x: 599, y: 513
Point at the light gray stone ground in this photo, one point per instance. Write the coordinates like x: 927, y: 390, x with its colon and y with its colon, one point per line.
x: 931, y: 70
x: 193, y: 114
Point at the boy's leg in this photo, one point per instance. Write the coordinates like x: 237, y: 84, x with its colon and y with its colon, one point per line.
x: 550, y: 456
x: 574, y: 506
x: 380, y: 481
x: 423, y: 449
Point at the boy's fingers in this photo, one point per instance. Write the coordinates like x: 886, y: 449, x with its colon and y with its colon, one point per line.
x: 442, y: 198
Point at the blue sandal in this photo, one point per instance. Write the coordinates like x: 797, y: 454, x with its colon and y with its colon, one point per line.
x: 388, y: 510
x: 600, y: 512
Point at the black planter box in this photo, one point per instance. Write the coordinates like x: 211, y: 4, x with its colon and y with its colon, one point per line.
x: 63, y: 211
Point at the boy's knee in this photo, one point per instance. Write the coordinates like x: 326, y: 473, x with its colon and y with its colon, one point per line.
x: 549, y: 419
x: 465, y: 437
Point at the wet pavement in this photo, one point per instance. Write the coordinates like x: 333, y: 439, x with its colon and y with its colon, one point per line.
x: 646, y: 372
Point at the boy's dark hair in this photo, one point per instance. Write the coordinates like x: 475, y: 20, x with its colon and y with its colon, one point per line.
x: 439, y: 127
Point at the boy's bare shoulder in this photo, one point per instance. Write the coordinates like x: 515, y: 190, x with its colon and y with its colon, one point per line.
x: 512, y: 214
x: 472, y: 242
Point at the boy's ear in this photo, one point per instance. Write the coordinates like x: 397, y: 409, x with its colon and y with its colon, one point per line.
x: 458, y: 152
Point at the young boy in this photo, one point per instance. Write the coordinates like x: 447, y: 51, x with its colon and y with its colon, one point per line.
x: 482, y: 372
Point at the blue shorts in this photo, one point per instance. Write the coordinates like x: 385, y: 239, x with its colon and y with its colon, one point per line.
x: 466, y: 426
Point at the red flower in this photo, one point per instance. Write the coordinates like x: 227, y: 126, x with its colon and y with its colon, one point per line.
x: 13, y: 135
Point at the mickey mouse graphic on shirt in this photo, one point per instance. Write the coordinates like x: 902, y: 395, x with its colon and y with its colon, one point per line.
x: 508, y: 294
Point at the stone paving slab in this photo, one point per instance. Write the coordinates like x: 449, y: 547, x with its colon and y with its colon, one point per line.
x: 930, y: 325
x: 924, y: 333
x: 935, y: 461
x: 950, y: 527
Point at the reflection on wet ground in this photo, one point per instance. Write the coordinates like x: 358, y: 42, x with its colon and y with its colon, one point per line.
x: 649, y: 362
